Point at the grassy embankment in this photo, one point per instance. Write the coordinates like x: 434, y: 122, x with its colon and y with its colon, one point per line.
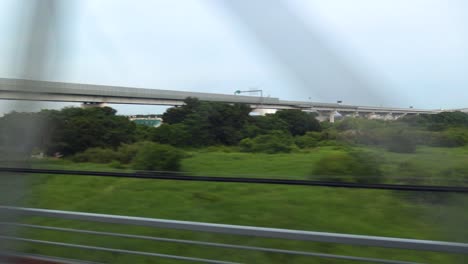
x: 367, y: 212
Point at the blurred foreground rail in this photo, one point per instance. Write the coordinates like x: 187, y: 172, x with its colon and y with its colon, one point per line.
x: 251, y: 231
x: 182, y: 177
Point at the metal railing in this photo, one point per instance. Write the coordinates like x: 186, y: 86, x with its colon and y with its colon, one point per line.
x: 251, y: 180
x: 252, y: 231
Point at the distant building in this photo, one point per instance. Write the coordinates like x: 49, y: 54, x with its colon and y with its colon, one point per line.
x: 146, y: 120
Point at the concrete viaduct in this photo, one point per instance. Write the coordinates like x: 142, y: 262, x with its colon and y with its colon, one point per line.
x: 95, y: 95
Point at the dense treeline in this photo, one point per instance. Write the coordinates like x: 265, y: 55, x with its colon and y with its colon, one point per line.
x: 67, y: 131
x: 195, y: 124
x: 440, y: 121
x: 198, y: 124
x: 99, y: 135
x: 447, y: 129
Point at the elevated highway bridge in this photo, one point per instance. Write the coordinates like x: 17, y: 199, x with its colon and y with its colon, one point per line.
x: 96, y: 95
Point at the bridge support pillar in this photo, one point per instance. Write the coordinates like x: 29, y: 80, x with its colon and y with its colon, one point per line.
x: 389, y: 116
x: 331, y: 117
x: 398, y: 116
x: 349, y: 114
x: 371, y: 116
x: 326, y: 116
x: 263, y: 111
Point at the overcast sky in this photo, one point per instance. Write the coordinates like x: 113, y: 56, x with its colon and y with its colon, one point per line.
x: 403, y: 52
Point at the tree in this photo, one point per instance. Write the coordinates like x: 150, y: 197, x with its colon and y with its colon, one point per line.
x: 260, y: 125
x: 299, y: 122
x: 206, y: 123
x: 20, y: 133
x: 400, y: 143
x: 354, y: 166
x: 175, y: 115
x: 152, y: 156
x: 68, y: 131
x: 274, y: 142
x: 143, y: 132
x: 439, y: 121
x: 175, y: 135
x: 76, y: 129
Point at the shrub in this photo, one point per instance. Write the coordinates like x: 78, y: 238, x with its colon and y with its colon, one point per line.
x: 329, y: 134
x: 326, y: 125
x: 327, y: 143
x: 410, y: 172
x: 153, y: 156
x: 318, y: 139
x: 309, y: 140
x: 354, y: 166
x: 221, y: 148
x: 458, y: 173
x: 127, y: 152
x: 450, y: 138
x: 96, y: 155
x: 400, y: 143
x: 347, y: 124
x: 419, y: 137
x: 414, y: 173
x: 275, y: 142
x: 116, y: 165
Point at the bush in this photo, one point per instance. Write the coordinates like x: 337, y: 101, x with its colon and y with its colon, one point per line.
x: 331, y: 143
x: 400, y: 143
x: 438, y: 121
x: 329, y: 134
x: 410, y: 172
x: 450, y: 138
x: 275, y: 142
x: 458, y: 173
x: 350, y: 123
x: 419, y: 137
x: 221, y: 148
x: 153, y: 156
x: 327, y: 137
x: 354, y: 166
x: 309, y: 140
x: 116, y: 165
x: 96, y: 155
x: 414, y: 173
x: 127, y: 152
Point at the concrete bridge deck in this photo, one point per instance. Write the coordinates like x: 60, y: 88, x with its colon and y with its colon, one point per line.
x: 22, y: 89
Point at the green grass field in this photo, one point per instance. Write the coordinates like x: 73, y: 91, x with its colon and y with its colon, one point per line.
x: 365, y: 212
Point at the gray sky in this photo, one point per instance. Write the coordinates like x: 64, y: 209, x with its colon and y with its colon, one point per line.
x: 408, y: 52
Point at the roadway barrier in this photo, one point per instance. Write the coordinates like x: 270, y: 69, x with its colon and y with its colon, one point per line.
x: 252, y: 231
